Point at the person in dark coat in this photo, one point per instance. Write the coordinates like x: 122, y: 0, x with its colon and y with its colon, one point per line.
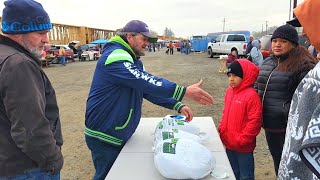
x: 278, y: 78
x: 30, y: 127
x: 249, y: 45
x: 231, y: 57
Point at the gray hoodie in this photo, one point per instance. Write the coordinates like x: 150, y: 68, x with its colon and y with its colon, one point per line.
x: 255, y: 53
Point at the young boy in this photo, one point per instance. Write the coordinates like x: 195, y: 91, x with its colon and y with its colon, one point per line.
x: 241, y: 118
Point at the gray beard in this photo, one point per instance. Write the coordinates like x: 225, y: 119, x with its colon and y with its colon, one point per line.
x: 34, y: 51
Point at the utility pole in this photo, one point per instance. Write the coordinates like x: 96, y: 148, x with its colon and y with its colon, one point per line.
x: 266, y: 27
x: 261, y: 27
x: 294, y: 6
x: 224, y: 23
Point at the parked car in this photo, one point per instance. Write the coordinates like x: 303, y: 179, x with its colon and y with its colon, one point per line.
x: 54, y: 49
x: 72, y: 45
x: 225, y: 43
x: 266, y: 44
x: 88, y: 47
x: 89, y: 52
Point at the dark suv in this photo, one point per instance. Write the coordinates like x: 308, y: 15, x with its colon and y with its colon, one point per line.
x: 266, y: 44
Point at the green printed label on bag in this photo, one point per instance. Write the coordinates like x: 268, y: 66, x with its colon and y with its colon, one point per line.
x: 175, y: 130
x: 160, y: 125
x: 169, y: 148
x: 180, y: 122
x: 167, y: 135
x: 174, y: 140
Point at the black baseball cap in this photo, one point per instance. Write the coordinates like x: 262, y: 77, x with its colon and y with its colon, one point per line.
x: 294, y: 22
x: 139, y: 27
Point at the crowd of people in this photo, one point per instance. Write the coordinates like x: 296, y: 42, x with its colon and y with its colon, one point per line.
x: 184, y: 46
x: 288, y: 87
x: 279, y: 94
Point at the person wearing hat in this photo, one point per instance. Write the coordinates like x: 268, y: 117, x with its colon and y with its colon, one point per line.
x: 119, y: 85
x: 278, y: 78
x: 300, y: 155
x: 249, y: 45
x: 30, y: 131
x: 241, y: 118
x: 295, y: 23
x: 255, y: 53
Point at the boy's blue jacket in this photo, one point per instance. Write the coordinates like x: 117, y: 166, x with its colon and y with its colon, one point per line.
x: 118, y: 87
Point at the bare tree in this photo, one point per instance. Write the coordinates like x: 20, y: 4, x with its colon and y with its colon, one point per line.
x: 258, y: 34
x: 168, y: 32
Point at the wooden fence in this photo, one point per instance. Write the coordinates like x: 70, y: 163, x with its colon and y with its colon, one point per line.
x: 63, y: 34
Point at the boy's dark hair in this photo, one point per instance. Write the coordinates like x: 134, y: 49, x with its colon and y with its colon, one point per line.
x: 233, y: 49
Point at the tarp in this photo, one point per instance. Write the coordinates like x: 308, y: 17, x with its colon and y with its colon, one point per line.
x: 100, y: 41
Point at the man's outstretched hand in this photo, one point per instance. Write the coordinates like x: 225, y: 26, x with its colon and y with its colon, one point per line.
x: 195, y: 93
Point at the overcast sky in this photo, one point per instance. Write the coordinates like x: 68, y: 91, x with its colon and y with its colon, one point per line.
x: 184, y: 17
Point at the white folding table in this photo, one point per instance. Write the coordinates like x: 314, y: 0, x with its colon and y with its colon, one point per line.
x: 136, y: 158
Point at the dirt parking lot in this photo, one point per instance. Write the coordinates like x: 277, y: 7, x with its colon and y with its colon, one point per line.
x: 72, y: 83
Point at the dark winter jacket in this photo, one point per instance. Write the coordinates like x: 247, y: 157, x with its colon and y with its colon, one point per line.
x: 118, y: 87
x: 241, y: 117
x: 249, y: 47
x: 231, y: 58
x: 276, y: 88
x: 30, y: 132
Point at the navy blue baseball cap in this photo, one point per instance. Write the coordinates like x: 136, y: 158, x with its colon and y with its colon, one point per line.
x: 139, y: 27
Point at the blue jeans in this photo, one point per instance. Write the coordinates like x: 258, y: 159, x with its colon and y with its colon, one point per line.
x: 187, y: 50
x: 34, y: 174
x: 103, y: 156
x: 242, y: 164
x: 63, y: 60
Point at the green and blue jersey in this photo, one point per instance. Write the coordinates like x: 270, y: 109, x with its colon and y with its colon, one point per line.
x: 118, y: 87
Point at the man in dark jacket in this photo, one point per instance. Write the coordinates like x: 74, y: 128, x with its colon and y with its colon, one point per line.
x: 119, y: 85
x: 249, y: 45
x: 30, y: 131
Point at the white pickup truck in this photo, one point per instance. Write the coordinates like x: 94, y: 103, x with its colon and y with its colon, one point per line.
x: 224, y: 43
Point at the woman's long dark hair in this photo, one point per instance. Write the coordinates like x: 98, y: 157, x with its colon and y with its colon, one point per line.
x: 298, y: 56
